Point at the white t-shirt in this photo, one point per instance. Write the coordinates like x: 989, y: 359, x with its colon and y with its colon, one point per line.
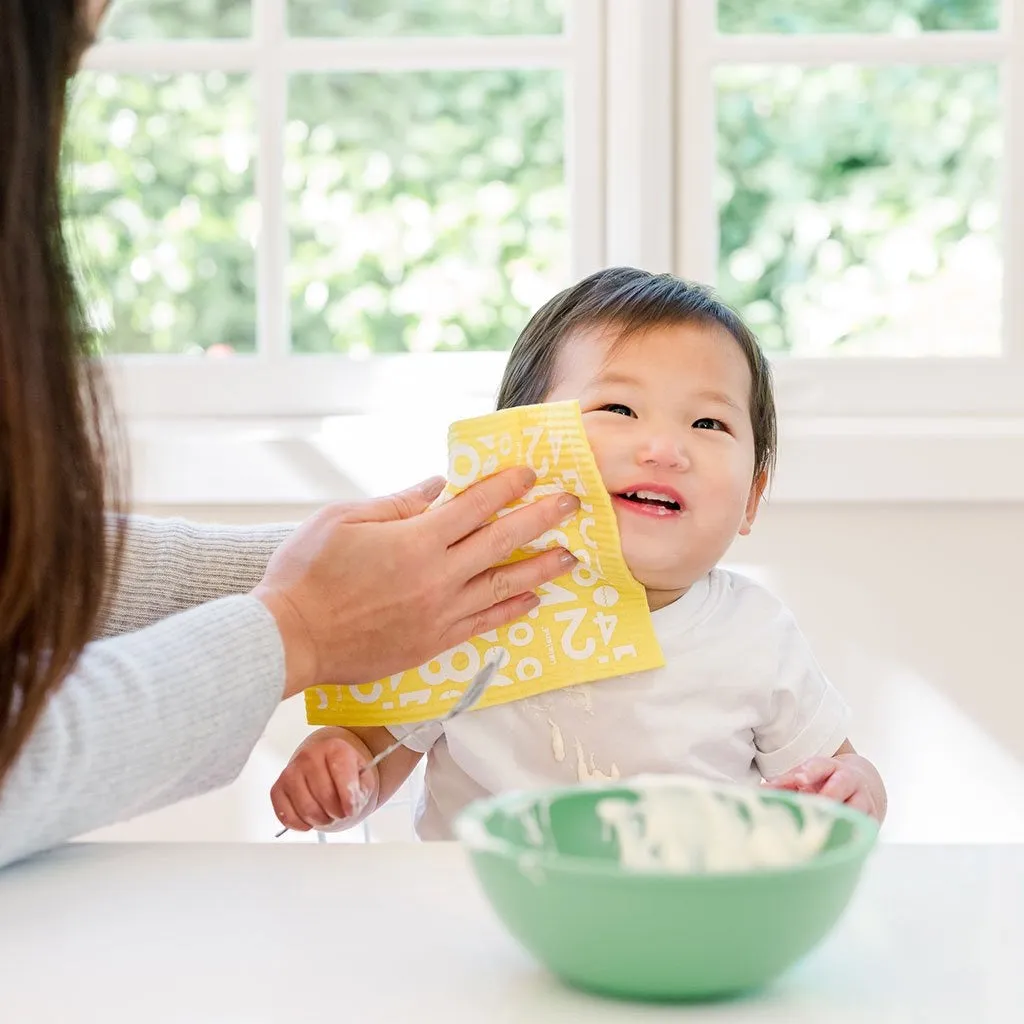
x: 740, y: 698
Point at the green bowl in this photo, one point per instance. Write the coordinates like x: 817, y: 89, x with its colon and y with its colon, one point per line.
x: 551, y: 871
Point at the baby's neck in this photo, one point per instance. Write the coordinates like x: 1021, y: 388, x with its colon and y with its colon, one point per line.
x: 663, y: 598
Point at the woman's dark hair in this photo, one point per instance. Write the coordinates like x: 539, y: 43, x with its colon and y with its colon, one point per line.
x: 57, y: 475
x: 632, y: 301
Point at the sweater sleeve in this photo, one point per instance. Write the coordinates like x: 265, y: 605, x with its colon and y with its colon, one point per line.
x: 170, y: 565
x: 145, y: 720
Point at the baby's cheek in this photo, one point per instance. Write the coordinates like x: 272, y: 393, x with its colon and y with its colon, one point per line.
x: 602, y: 447
x: 730, y: 487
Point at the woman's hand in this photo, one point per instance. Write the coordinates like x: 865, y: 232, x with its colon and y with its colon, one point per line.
x: 364, y: 590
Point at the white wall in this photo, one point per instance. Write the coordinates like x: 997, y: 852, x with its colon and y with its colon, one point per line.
x: 915, y: 612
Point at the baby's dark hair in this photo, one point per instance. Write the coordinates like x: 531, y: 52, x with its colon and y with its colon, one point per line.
x: 632, y: 301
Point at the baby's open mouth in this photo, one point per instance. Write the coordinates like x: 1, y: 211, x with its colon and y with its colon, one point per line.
x: 651, y: 498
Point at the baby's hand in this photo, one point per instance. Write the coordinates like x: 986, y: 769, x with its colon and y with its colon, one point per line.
x: 322, y: 786
x: 843, y: 779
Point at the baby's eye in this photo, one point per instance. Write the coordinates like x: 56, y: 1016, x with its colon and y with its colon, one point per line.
x: 707, y: 423
x: 619, y: 410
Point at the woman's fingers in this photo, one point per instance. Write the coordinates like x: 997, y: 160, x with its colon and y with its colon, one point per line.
x: 503, y: 583
x: 471, y: 509
x: 491, y: 618
x: 465, y: 520
x: 402, y: 505
x: 494, y: 542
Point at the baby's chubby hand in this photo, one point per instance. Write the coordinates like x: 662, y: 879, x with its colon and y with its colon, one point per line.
x: 843, y: 778
x: 322, y: 786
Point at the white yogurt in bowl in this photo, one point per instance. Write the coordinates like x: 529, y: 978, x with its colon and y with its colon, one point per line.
x: 687, y: 825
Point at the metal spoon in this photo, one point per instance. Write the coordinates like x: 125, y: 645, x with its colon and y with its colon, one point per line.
x: 469, y: 698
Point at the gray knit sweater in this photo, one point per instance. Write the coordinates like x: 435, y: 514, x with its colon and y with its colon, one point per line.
x: 169, y: 703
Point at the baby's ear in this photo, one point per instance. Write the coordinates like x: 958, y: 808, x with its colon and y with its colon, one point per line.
x: 753, y: 502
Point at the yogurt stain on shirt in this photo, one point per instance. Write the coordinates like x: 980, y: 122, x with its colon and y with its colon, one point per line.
x: 590, y: 772
x: 557, y: 742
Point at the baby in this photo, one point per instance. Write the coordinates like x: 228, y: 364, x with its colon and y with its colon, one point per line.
x: 677, y: 402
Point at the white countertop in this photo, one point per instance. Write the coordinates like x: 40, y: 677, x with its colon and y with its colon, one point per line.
x: 261, y: 934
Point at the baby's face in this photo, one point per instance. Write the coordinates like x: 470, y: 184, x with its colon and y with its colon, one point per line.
x: 667, y: 413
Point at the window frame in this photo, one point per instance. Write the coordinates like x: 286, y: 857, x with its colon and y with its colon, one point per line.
x: 647, y: 200
x: 274, y: 382
x: 863, y: 387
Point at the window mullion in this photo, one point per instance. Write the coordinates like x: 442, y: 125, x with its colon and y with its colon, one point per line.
x: 585, y: 135
x: 273, y: 320
x: 696, y: 137
x: 640, y: 128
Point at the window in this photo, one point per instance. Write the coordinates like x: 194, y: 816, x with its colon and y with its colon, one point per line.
x: 857, y: 207
x: 284, y: 205
x: 293, y: 208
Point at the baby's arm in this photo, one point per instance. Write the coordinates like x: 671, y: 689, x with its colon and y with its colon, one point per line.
x: 802, y: 742
x: 393, y: 771
x: 322, y: 786
x: 846, y: 777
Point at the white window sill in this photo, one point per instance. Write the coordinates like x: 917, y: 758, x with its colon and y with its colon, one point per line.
x: 299, y: 464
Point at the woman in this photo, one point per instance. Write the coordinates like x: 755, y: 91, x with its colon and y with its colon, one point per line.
x: 140, y: 660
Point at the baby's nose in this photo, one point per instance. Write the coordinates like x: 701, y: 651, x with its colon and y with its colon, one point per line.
x: 665, y: 451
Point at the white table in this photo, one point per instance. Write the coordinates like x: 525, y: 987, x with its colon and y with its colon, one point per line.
x: 197, y: 934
